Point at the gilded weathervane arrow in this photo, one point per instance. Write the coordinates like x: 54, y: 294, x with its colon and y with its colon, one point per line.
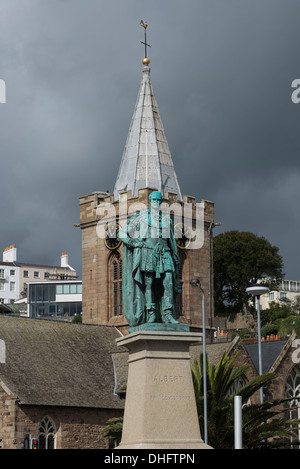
x: 146, y: 61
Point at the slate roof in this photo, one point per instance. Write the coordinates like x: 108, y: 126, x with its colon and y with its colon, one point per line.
x: 214, y: 351
x: 269, y: 353
x: 59, y: 363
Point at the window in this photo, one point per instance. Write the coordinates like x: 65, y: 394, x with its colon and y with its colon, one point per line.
x: 25, y: 274
x: 70, y: 288
x: 36, y: 275
x: 46, y: 274
x: 12, y: 272
x: 12, y: 286
x: 2, y: 286
x: 282, y: 295
x: 271, y: 296
x: 178, y: 304
x: 116, y: 268
x: 1, y: 273
x: 47, y: 431
x: 292, y: 389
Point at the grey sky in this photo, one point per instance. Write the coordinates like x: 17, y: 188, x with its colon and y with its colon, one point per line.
x: 222, y: 73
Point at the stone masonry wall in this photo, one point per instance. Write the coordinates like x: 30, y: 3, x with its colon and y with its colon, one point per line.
x: 77, y: 428
x: 7, y: 420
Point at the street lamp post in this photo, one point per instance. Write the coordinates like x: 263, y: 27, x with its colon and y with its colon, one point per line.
x: 257, y: 290
x: 196, y: 283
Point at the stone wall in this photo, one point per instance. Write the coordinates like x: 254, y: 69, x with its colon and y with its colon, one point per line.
x: 7, y: 420
x: 77, y: 428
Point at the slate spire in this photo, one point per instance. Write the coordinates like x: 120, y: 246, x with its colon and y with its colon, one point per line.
x: 146, y: 160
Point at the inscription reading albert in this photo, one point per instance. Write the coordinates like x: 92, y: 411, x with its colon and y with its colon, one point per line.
x: 168, y: 379
x: 165, y: 397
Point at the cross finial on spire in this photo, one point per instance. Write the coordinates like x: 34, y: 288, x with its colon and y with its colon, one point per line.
x: 146, y: 61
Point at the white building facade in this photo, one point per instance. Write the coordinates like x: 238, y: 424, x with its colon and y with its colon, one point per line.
x: 288, y: 290
x: 9, y: 282
x: 14, y: 276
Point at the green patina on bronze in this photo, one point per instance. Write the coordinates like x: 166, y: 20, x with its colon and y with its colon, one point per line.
x: 150, y: 269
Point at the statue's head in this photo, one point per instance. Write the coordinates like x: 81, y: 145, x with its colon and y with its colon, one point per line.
x: 156, y: 196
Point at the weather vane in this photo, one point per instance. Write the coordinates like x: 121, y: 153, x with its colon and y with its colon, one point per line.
x: 146, y: 61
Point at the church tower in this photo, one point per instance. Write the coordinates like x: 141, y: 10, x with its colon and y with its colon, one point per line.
x: 146, y: 165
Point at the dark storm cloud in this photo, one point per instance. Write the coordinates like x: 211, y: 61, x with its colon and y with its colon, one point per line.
x: 222, y: 74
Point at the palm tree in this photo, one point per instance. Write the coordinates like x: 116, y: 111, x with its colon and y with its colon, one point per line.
x: 262, y: 425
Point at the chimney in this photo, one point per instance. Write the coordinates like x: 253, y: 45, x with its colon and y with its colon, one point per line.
x: 64, y: 260
x: 10, y: 253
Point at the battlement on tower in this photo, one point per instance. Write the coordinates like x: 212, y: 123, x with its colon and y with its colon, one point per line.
x: 89, y: 204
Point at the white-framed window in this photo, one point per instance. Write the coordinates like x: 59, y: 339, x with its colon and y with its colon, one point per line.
x: 2, y: 286
x: 292, y: 389
x: 12, y: 272
x: 36, y: 274
x: 1, y: 273
x: 47, y: 431
x: 12, y: 286
x: 293, y: 286
x: 25, y: 274
x: 271, y: 296
x: 282, y: 295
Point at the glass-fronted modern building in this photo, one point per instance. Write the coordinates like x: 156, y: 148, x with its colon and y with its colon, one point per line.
x: 61, y: 299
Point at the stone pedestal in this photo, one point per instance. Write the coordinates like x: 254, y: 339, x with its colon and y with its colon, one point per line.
x: 160, y: 407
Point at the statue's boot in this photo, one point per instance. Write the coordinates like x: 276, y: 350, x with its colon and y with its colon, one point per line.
x: 151, y: 315
x: 169, y: 319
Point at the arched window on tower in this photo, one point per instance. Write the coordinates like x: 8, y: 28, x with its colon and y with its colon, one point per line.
x: 116, y: 276
x: 179, y: 297
x: 47, y: 431
x: 292, y: 389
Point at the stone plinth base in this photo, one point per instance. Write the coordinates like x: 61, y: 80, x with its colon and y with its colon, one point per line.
x: 158, y: 326
x: 160, y: 407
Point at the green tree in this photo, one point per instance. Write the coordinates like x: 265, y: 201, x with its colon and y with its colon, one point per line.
x: 262, y: 425
x: 275, y: 312
x: 113, y: 431
x: 241, y: 258
x: 296, y: 305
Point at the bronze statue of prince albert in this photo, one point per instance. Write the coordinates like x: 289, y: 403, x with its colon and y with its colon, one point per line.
x: 150, y: 266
